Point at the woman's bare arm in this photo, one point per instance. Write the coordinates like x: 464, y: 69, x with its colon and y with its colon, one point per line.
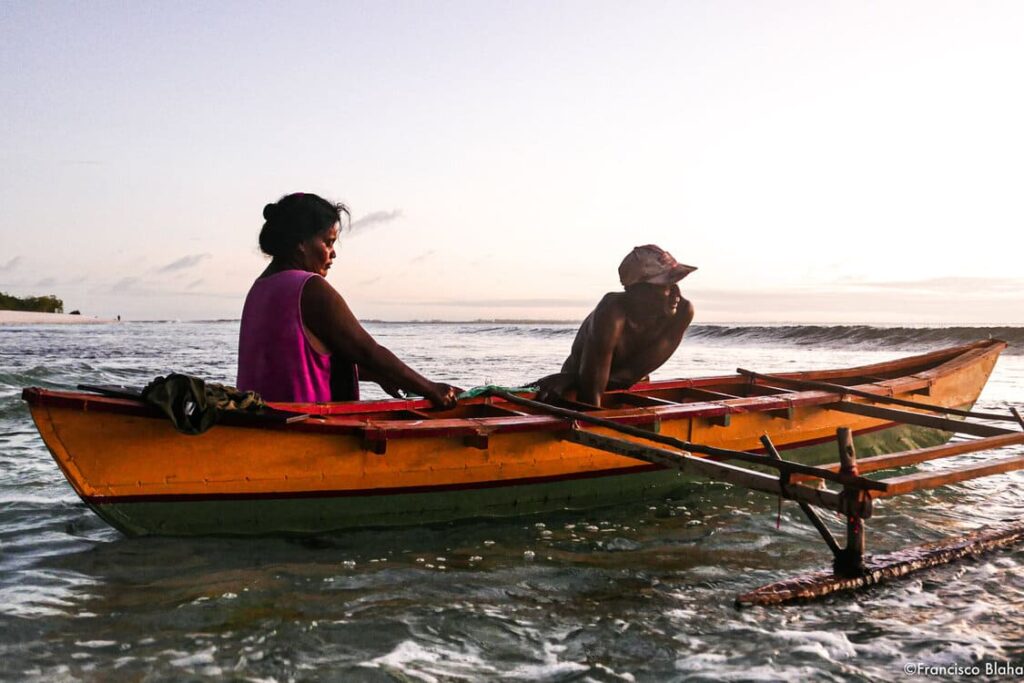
x: 329, y: 318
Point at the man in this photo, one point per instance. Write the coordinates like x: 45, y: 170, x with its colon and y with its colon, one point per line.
x: 630, y: 334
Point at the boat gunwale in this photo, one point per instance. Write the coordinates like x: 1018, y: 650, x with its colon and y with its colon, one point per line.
x: 326, y: 419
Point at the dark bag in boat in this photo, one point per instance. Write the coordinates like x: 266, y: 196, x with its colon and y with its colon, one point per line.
x: 193, y: 405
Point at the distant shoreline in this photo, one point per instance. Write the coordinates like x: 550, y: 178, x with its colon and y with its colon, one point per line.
x: 34, y: 318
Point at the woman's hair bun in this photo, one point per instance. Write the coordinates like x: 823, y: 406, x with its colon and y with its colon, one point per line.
x: 294, y: 218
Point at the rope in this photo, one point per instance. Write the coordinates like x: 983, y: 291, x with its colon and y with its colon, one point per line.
x: 488, y: 388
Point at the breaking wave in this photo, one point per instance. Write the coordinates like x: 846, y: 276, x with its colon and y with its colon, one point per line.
x: 856, y: 336
x: 865, y: 337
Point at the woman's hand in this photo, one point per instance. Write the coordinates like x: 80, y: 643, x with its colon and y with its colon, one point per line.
x: 443, y: 395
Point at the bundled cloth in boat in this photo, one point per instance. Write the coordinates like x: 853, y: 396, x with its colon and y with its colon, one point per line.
x: 193, y: 405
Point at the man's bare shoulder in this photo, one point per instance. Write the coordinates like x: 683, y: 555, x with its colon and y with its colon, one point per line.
x: 612, y: 303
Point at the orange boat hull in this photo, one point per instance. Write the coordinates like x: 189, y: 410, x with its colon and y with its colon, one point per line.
x: 377, y: 464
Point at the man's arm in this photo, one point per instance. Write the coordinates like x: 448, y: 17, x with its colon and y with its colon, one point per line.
x: 648, y: 359
x: 598, y: 350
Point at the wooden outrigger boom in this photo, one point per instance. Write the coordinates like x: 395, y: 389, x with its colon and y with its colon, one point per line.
x: 851, y: 568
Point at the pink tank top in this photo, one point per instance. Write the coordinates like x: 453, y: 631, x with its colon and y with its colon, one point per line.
x: 275, y: 357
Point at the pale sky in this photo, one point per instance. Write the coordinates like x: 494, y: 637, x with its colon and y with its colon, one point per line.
x: 818, y: 161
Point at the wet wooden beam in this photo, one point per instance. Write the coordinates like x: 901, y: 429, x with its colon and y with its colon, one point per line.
x: 930, y: 480
x: 679, y: 444
x: 723, y: 472
x: 919, y: 419
x: 882, y: 568
x: 850, y: 562
x: 1017, y: 415
x: 785, y: 481
x: 918, y: 455
x: 815, y: 385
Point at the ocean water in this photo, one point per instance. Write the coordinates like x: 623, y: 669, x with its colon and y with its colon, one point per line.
x: 635, y: 592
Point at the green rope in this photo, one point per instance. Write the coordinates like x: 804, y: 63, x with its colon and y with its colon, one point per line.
x: 487, y: 388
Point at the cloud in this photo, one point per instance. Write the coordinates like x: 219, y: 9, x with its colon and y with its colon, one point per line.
x: 422, y: 257
x: 183, y: 263
x: 371, y: 281
x: 10, y: 265
x: 46, y: 282
x: 375, y: 218
x: 194, y: 284
x: 123, y: 284
x: 957, y: 285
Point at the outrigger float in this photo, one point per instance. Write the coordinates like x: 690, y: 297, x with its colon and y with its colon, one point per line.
x: 318, y: 468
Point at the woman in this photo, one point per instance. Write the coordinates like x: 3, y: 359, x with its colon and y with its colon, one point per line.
x: 299, y: 342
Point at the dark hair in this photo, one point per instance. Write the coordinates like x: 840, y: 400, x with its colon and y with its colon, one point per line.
x: 294, y: 218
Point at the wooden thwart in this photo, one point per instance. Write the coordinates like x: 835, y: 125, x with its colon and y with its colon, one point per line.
x: 880, y: 568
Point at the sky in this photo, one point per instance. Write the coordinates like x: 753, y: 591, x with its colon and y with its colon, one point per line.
x: 823, y: 162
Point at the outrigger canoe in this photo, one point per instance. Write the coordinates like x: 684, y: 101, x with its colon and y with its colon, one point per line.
x: 399, y: 462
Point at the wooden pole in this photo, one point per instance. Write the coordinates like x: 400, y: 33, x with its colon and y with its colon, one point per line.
x: 1016, y: 414
x: 719, y: 453
x: 815, y: 385
x: 850, y: 562
x: 815, y: 520
x: 720, y: 471
x: 891, y: 461
x: 919, y: 419
x: 895, y: 486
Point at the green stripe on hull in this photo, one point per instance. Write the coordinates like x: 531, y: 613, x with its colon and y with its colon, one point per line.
x: 313, y: 515
x: 322, y: 514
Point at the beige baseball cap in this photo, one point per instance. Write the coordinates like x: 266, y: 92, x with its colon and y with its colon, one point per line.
x: 653, y: 264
